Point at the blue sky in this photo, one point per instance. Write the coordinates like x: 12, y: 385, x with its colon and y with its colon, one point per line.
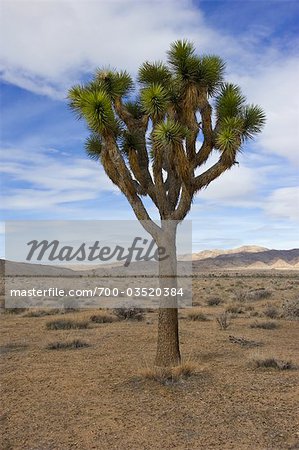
x: 47, y: 46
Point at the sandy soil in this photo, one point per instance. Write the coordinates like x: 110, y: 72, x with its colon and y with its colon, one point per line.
x: 95, y: 397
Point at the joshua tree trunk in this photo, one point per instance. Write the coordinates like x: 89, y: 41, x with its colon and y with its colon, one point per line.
x: 168, y: 352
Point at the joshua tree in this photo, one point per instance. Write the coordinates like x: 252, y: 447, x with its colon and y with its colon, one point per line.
x: 151, y: 141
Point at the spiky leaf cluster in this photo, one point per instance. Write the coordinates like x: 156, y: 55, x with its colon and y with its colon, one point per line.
x: 174, y: 100
x: 94, y: 146
x: 169, y: 133
x: 156, y: 72
x: 237, y: 121
x: 116, y: 84
x: 154, y: 100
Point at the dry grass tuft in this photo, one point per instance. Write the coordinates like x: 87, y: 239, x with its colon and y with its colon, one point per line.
x: 265, y: 325
x: 42, y: 312
x: 223, y: 320
x: 290, y: 309
x: 14, y: 310
x: 169, y: 375
x: 244, y: 342
x: 129, y: 313
x: 72, y: 345
x: 272, y: 312
x: 244, y: 295
x: 103, y: 317
x: 214, y: 301
x: 64, y: 324
x: 270, y: 362
x: 235, y: 309
x: 196, y: 315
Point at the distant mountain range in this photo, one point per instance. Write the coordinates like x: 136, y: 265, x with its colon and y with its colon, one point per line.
x: 242, y: 258
x: 246, y: 257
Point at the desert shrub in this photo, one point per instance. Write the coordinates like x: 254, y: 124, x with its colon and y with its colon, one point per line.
x: 13, y: 347
x: 197, y: 315
x: 103, y: 318
x: 169, y: 375
x: 272, y: 312
x: 224, y: 320
x: 234, y: 309
x: 129, y: 313
x: 244, y: 342
x: 258, y: 294
x: 248, y: 308
x: 290, y: 309
x: 76, y: 343
x: 42, y: 312
x: 271, y: 363
x: 214, y: 301
x: 252, y: 294
x: 264, y: 325
x: 240, y: 295
x: 64, y: 324
x: 15, y: 310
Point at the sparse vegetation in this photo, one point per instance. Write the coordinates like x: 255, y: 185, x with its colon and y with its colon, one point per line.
x: 14, y: 310
x: 197, y: 315
x: 64, y: 324
x: 129, y: 313
x: 264, y: 325
x: 269, y: 362
x: 244, y: 342
x: 169, y: 375
x: 103, y: 318
x: 224, y: 320
x: 272, y: 312
x: 235, y: 309
x: 72, y: 345
x: 13, y: 347
x: 258, y: 294
x: 42, y: 312
x: 214, y: 301
x: 110, y: 366
x: 290, y: 309
x: 244, y: 295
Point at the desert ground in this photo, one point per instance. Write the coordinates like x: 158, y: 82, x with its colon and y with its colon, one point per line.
x: 237, y: 388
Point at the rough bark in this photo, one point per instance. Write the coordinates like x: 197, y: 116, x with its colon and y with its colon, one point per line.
x: 168, y: 351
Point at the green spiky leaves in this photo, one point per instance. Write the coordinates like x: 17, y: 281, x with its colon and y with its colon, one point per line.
x: 230, y: 101
x: 116, y: 84
x: 254, y: 120
x: 210, y: 73
x: 157, y: 72
x: 95, y: 107
x: 94, y: 146
x: 182, y: 60
x: 154, y: 100
x: 169, y: 133
x: 135, y: 108
x: 132, y: 141
x: 233, y: 114
x: 229, y: 137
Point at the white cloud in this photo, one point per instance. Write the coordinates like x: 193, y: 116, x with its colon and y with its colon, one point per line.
x: 48, y: 182
x: 274, y: 86
x: 52, y: 42
x: 49, y: 44
x: 283, y: 203
x: 236, y: 187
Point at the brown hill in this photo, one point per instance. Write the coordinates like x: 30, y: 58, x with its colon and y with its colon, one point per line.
x: 261, y: 259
